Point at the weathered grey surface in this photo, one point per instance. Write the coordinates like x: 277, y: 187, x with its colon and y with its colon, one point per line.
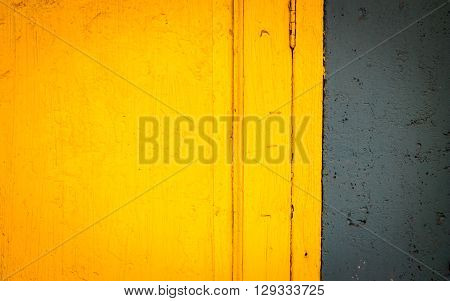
x: 386, y: 141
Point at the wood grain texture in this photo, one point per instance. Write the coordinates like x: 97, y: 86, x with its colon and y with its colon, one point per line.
x: 307, y: 172
x: 75, y: 76
x: 222, y: 76
x: 69, y: 137
x: 267, y: 85
x: 237, y: 162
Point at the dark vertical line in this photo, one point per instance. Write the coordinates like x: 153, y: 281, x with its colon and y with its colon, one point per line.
x: 292, y: 31
x: 241, y: 207
x: 292, y: 165
x: 324, y: 24
x: 233, y: 70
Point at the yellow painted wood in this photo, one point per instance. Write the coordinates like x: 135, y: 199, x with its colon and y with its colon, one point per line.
x: 69, y: 139
x: 222, y: 42
x: 266, y: 197
x: 307, y: 174
x: 75, y: 76
x: 237, y: 137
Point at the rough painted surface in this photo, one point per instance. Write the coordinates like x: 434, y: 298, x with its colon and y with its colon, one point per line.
x: 75, y: 77
x: 76, y: 203
x: 386, y: 141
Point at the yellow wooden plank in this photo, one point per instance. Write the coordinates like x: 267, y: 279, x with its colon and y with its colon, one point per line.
x: 69, y: 129
x: 267, y: 85
x: 307, y: 172
x: 222, y: 169
x: 237, y: 162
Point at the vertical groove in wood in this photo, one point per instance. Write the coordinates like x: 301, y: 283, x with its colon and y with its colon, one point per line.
x: 292, y: 43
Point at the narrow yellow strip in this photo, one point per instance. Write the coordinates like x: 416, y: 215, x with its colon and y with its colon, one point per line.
x: 267, y: 197
x: 307, y: 166
x: 238, y: 112
x: 222, y: 77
